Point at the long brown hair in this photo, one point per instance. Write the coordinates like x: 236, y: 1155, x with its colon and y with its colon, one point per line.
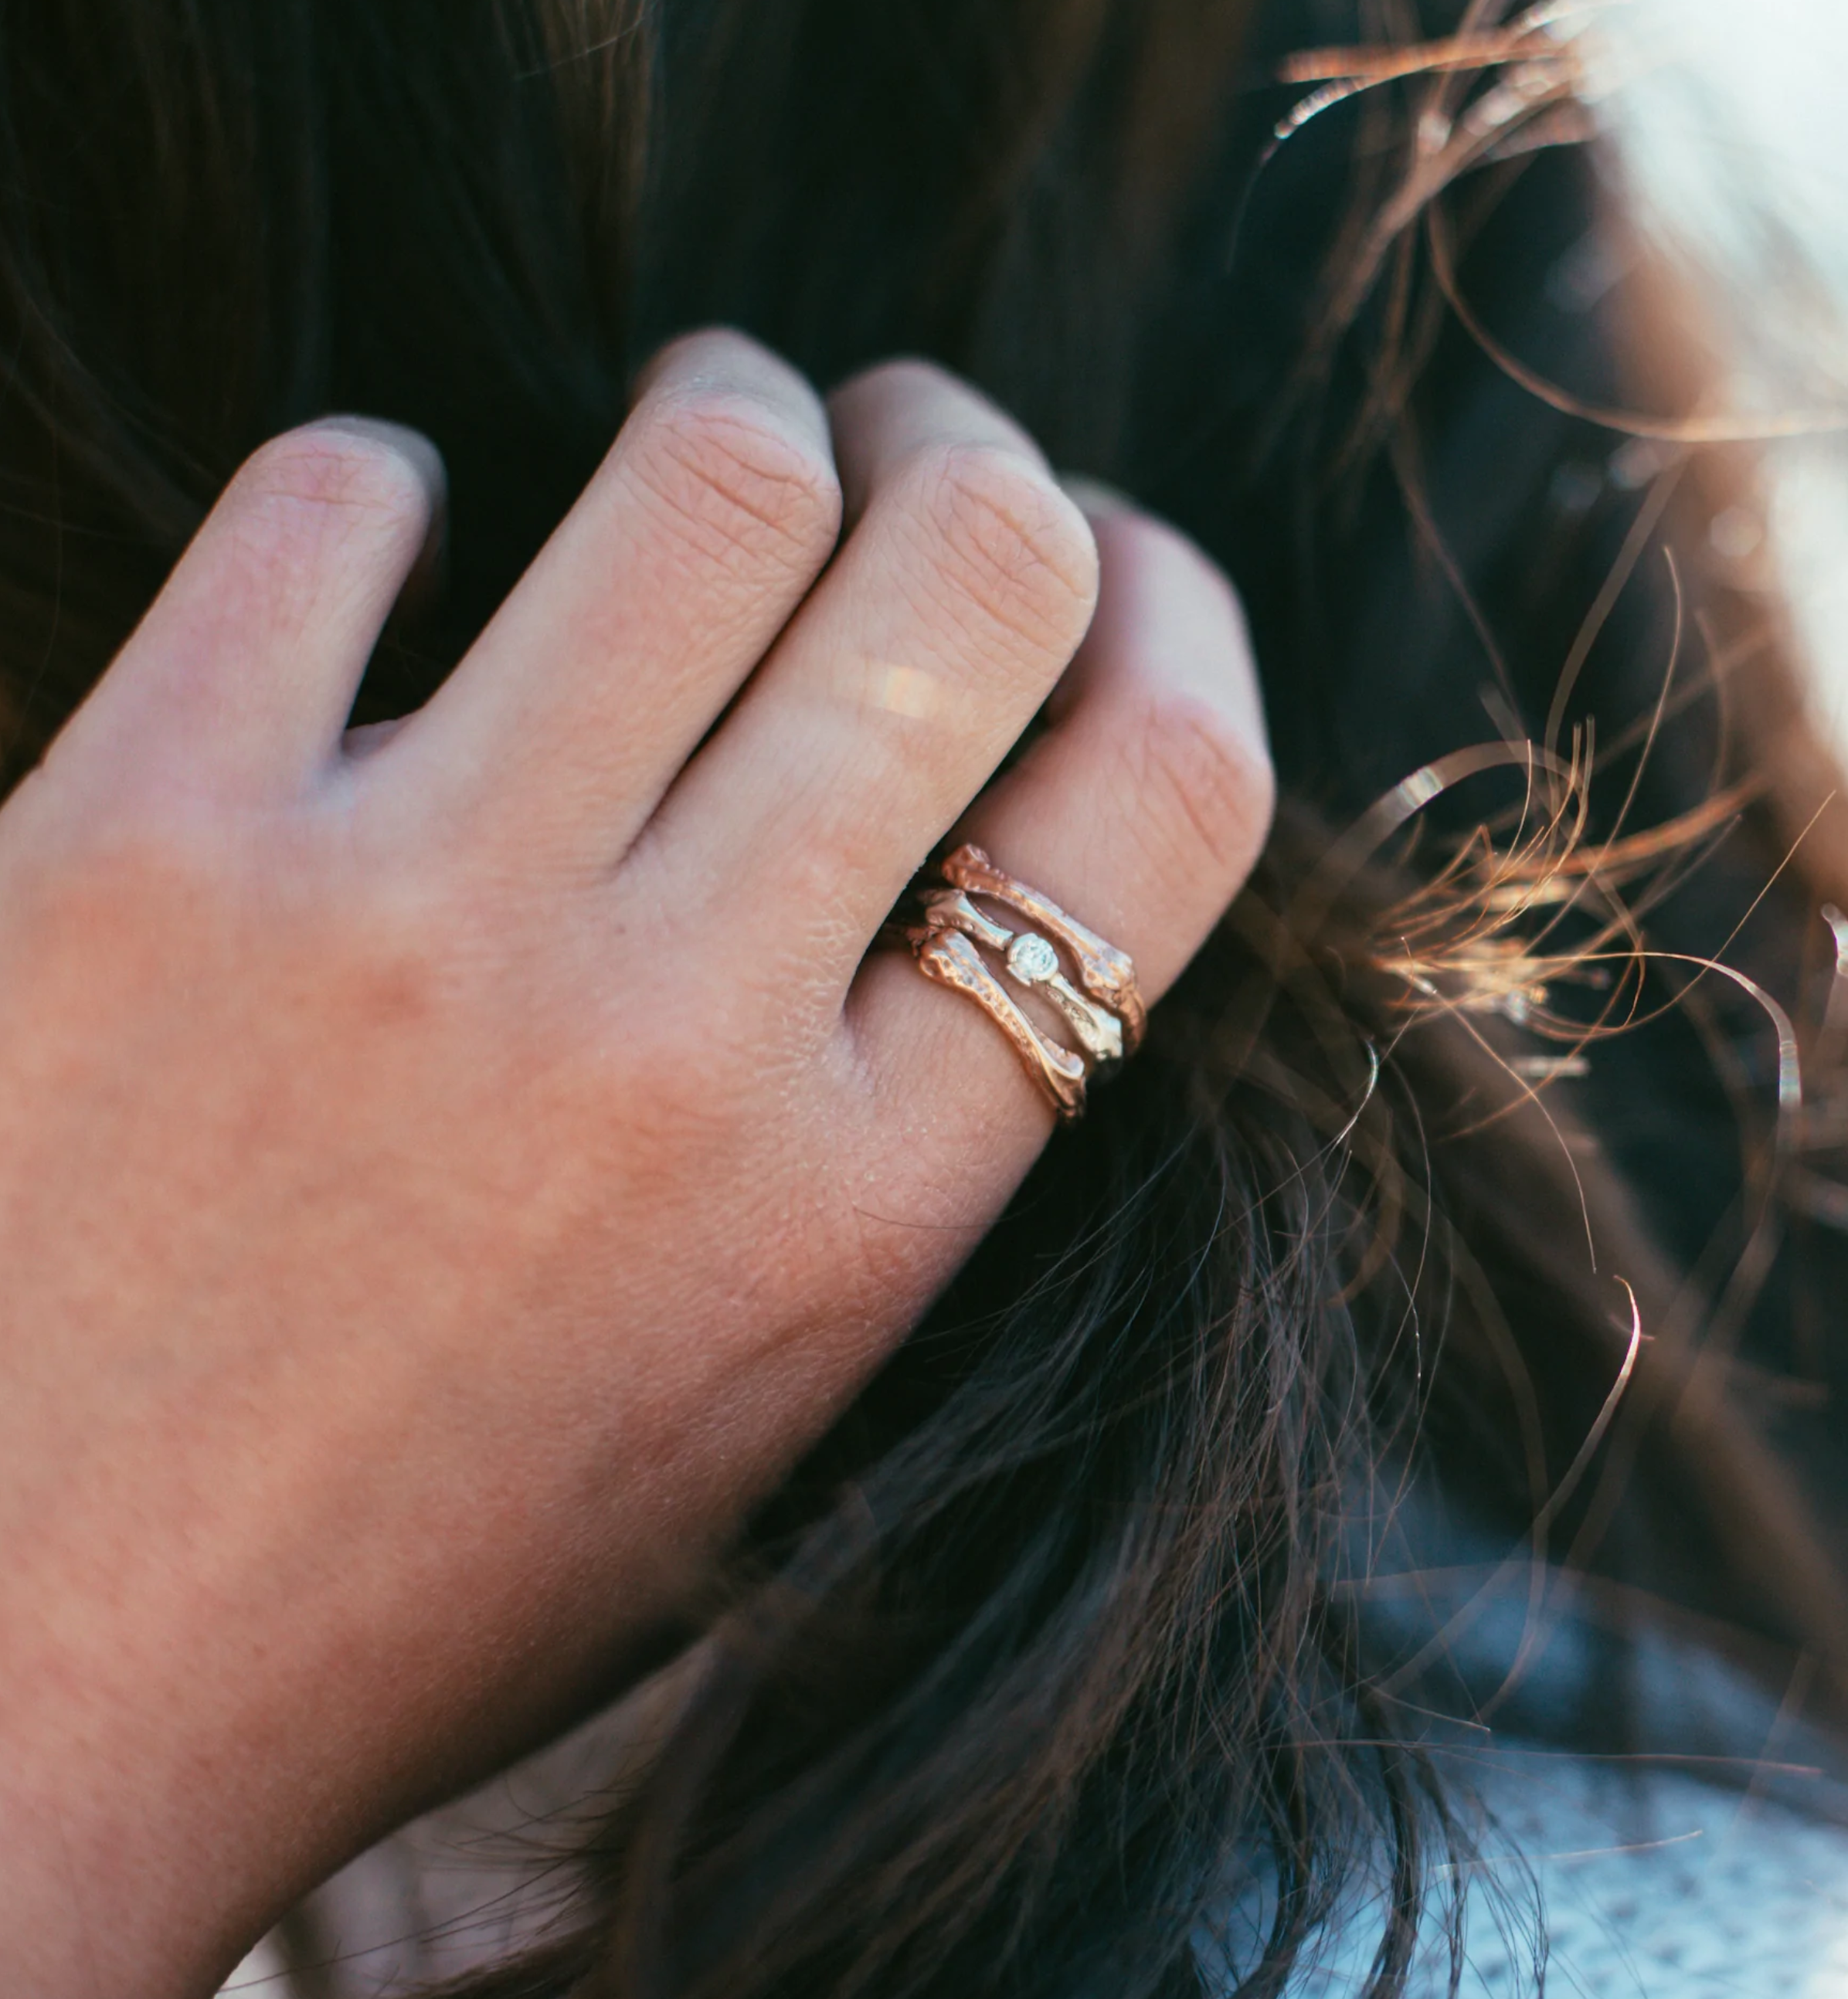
x: 1056, y: 1652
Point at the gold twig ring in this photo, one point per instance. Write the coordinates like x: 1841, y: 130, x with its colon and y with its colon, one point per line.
x: 1104, y: 1010
x: 1106, y: 973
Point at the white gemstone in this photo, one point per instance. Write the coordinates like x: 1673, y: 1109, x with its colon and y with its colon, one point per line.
x: 1031, y: 960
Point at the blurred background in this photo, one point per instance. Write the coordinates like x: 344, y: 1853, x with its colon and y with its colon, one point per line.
x: 1732, y: 119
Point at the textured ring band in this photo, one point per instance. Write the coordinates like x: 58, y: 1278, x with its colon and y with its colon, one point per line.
x: 1104, y: 1010
x: 1107, y: 974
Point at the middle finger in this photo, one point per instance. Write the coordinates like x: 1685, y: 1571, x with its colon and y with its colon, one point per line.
x: 962, y: 592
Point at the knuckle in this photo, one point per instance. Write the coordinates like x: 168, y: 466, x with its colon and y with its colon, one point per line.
x: 1004, y: 537
x: 388, y: 986
x: 736, y: 484
x: 1199, y: 788
x: 156, y: 857
x: 121, y: 890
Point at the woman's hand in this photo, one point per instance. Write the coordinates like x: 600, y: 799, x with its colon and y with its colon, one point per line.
x: 446, y: 1176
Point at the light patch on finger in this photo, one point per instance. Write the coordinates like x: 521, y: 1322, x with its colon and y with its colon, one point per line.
x: 884, y: 688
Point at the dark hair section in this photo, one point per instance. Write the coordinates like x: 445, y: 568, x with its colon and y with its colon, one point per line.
x: 1063, y: 1647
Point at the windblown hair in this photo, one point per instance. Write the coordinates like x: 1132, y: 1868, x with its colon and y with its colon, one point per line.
x: 1058, y: 1661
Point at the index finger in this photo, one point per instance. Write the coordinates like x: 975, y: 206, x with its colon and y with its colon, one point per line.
x: 714, y: 511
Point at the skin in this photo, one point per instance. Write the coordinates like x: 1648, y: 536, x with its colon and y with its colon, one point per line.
x: 448, y: 1174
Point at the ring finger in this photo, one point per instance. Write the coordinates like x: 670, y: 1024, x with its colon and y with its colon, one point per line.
x: 1141, y: 810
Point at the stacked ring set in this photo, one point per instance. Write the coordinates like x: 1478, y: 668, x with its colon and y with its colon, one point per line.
x: 990, y: 938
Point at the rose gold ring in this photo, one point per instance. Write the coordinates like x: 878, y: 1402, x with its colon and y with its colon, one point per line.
x: 1104, y: 1009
